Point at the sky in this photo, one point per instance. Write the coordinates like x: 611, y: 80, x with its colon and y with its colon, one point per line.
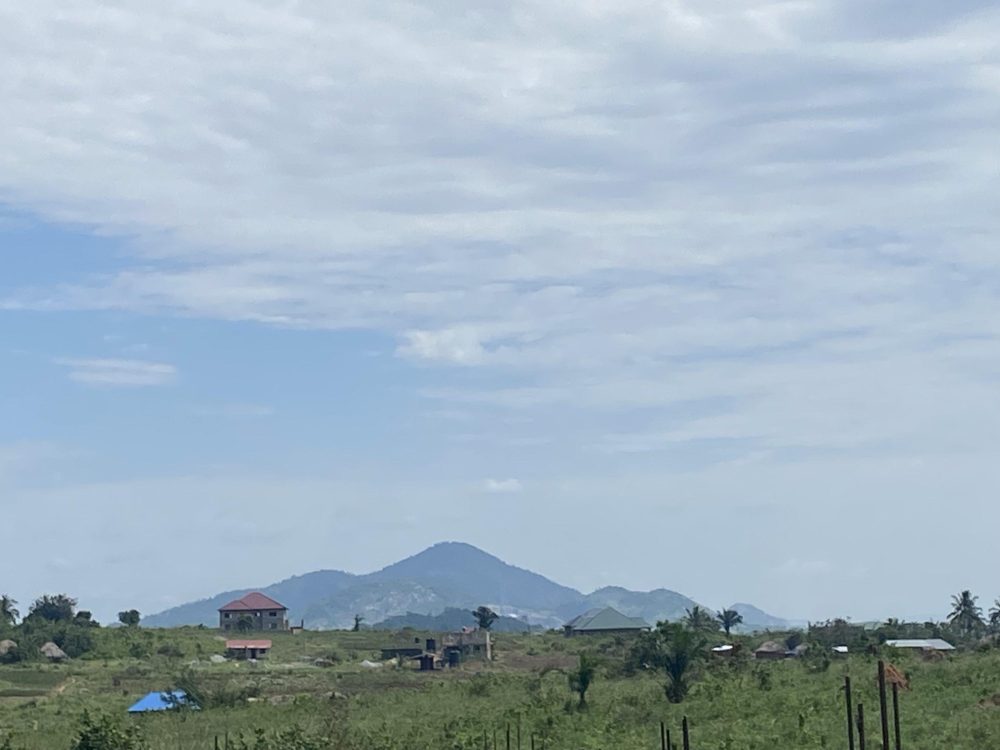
x: 696, y: 295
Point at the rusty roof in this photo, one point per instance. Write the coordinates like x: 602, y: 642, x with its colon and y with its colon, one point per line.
x: 252, y: 602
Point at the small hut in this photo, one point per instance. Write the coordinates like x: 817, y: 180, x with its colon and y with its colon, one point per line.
x: 52, y: 652
x: 770, y: 650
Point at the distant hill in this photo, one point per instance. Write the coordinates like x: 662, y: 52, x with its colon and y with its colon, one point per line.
x: 297, y: 593
x: 464, y: 571
x: 447, y: 576
x: 451, y: 619
x: 652, y: 606
x: 758, y: 619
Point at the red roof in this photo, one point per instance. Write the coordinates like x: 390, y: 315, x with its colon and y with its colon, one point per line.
x: 238, y: 645
x: 255, y: 601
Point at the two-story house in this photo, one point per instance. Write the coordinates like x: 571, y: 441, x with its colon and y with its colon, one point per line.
x: 256, y: 612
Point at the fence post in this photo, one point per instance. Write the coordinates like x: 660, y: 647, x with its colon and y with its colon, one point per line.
x: 850, y: 713
x: 861, y: 726
x: 670, y: 744
x: 883, y: 707
x: 508, y: 735
x: 663, y: 736
x: 895, y: 714
x: 684, y: 732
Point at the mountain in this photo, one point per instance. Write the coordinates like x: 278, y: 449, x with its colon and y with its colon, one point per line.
x: 652, y: 606
x: 296, y: 593
x: 464, y: 571
x: 758, y: 619
x: 450, y: 620
x: 447, y: 576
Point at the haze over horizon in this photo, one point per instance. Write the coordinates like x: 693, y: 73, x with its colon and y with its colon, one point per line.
x: 702, y: 296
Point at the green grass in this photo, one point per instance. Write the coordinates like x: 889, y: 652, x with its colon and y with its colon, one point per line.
x: 741, y: 705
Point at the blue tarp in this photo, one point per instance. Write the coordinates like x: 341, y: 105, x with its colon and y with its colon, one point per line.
x: 162, y: 702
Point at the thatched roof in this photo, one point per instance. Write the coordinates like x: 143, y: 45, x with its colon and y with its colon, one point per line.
x: 53, y: 652
x: 6, y: 646
x: 770, y: 647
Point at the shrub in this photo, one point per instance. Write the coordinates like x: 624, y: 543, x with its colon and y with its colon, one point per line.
x: 104, y: 733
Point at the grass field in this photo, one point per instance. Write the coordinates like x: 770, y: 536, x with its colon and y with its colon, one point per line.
x: 734, y: 704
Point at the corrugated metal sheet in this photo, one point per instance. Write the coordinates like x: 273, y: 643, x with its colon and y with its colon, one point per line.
x: 930, y: 644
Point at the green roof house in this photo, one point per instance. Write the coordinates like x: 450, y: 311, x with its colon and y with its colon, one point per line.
x: 604, y: 622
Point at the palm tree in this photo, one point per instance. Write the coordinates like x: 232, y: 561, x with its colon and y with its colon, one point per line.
x: 8, y: 610
x: 966, y: 615
x: 682, y: 647
x: 729, y: 619
x: 581, y: 677
x: 995, y: 617
x: 700, y: 619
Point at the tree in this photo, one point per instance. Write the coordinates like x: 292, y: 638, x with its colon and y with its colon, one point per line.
x: 58, y: 608
x: 700, y: 619
x: 995, y: 617
x: 8, y: 610
x: 485, y: 617
x: 358, y: 619
x: 130, y: 618
x: 85, y: 619
x: 581, y: 677
x: 729, y: 619
x: 682, y: 648
x: 244, y: 624
x: 966, y: 615
x: 673, y: 649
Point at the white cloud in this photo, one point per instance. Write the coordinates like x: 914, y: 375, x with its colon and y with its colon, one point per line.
x: 770, y: 224
x: 502, y: 486
x: 118, y: 372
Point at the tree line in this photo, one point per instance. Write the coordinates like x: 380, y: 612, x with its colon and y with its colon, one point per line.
x: 51, y: 618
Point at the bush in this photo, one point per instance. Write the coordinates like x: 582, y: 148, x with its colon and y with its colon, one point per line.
x: 104, y: 733
x: 171, y: 650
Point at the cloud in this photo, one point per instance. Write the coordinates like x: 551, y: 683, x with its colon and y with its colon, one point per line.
x: 502, y: 486
x: 766, y: 223
x: 123, y: 373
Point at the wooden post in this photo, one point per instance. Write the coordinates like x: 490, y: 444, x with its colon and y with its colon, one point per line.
x: 882, y: 705
x: 670, y: 745
x: 216, y: 742
x: 850, y: 713
x: 684, y: 732
x: 895, y: 714
x: 663, y: 736
x: 508, y: 735
x: 861, y: 726
x: 519, y: 733
x: 494, y: 738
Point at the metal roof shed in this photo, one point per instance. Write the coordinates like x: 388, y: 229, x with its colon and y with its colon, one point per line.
x: 927, y: 644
